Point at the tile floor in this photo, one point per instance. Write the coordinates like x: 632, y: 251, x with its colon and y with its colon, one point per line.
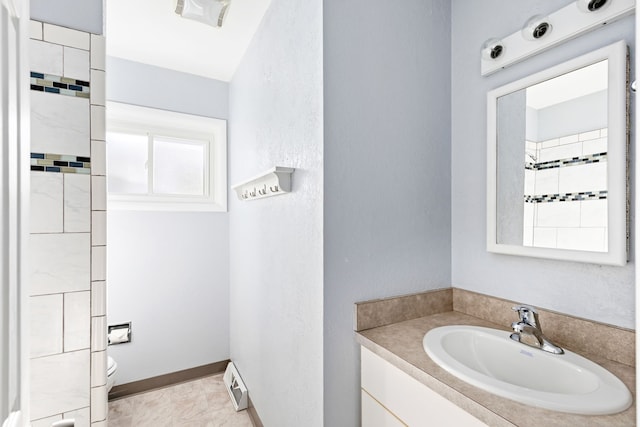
x: 199, y: 403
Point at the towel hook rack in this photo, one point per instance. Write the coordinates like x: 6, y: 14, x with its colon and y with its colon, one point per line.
x: 274, y: 182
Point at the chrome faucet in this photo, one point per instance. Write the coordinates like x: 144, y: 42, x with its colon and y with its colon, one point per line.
x: 529, y: 324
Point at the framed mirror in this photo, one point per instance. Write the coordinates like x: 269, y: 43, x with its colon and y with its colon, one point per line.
x: 557, y: 163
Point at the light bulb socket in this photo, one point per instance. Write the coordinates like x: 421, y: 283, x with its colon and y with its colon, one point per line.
x: 589, y: 6
x: 536, y: 27
x: 492, y: 49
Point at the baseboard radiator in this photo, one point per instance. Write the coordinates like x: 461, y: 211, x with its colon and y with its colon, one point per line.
x: 236, y: 388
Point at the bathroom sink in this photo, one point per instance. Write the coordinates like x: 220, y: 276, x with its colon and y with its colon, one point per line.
x: 488, y: 359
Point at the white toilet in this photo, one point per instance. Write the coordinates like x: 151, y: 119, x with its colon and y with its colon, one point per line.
x: 112, y: 367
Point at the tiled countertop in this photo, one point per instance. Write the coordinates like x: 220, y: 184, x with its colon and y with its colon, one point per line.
x: 401, y: 344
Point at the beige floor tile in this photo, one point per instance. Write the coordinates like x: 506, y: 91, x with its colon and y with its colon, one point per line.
x: 120, y: 408
x: 120, y: 422
x: 218, y: 399
x: 194, y: 423
x: 150, y: 398
x: 150, y: 419
x: 193, y: 407
x: 212, y: 383
x: 199, y: 403
x: 185, y: 390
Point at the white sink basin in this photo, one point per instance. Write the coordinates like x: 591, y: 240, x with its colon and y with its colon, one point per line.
x: 490, y: 360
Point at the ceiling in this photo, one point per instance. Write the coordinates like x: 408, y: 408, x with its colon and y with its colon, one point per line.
x: 576, y: 84
x: 149, y: 31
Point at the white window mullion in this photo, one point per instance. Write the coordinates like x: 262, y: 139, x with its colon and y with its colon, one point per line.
x: 150, y: 185
x: 208, y: 149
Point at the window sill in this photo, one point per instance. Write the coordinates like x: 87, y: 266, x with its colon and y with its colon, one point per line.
x: 162, y: 206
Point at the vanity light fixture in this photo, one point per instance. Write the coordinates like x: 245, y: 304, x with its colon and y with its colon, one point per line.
x: 492, y: 49
x: 542, y: 32
x: 592, y: 5
x: 536, y: 27
x: 210, y: 12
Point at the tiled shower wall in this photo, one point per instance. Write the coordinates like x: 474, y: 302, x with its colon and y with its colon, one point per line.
x: 68, y: 227
x: 565, y: 202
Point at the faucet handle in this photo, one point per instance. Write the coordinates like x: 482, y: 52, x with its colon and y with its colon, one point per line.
x: 527, y: 314
x: 524, y: 308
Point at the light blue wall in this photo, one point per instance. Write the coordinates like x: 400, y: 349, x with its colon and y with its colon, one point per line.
x: 275, y: 113
x: 596, y: 292
x: 147, y: 85
x: 168, y: 272
x: 387, y: 170
x: 85, y: 15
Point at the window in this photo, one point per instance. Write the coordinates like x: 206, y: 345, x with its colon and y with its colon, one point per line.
x: 161, y: 160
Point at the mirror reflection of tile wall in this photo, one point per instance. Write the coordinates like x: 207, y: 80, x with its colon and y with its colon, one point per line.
x: 565, y: 203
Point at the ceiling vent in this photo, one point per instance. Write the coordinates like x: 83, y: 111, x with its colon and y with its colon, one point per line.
x: 210, y: 12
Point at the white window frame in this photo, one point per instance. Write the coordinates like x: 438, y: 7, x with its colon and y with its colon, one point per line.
x: 127, y: 118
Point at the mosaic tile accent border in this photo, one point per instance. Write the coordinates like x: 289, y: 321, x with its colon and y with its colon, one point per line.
x: 46, y: 162
x: 566, y: 197
x: 573, y: 161
x: 60, y: 85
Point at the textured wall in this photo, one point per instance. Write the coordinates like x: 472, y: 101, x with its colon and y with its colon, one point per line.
x: 592, y: 291
x: 387, y: 170
x: 275, y: 113
x: 168, y: 271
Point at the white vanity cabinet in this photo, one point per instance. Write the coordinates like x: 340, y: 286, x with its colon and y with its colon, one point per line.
x: 392, y: 398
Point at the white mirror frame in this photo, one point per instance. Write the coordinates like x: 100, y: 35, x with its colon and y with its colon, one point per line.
x: 617, y: 158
